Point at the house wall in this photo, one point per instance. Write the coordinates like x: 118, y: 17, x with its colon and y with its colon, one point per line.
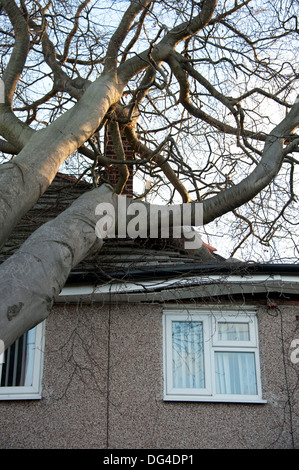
x: 103, y: 388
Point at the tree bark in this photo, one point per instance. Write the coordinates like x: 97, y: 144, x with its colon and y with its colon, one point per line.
x: 33, y: 277
x: 25, y: 178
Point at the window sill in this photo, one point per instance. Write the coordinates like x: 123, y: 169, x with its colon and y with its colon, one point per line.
x: 29, y: 394
x: 203, y: 399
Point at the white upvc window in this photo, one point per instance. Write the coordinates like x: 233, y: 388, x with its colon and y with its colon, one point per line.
x: 21, y: 367
x: 211, y: 356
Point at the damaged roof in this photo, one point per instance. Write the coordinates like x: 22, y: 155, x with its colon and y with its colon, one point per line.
x: 116, y: 255
x: 127, y: 258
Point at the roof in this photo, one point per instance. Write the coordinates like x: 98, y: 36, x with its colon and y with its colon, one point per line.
x: 205, y: 285
x: 115, y: 255
x: 58, y: 197
x: 150, y: 261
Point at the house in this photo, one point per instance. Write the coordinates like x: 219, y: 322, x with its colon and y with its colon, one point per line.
x: 149, y: 347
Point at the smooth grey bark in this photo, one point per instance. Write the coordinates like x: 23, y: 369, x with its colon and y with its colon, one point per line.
x: 32, y: 278
x: 12, y: 129
x: 18, y: 57
x: 25, y: 178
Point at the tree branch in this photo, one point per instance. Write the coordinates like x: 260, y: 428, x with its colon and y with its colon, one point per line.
x: 24, y: 179
x: 120, y: 154
x: 6, y: 147
x: 13, y: 129
x: 45, y: 261
x: 19, y: 54
x: 72, y: 33
x: 262, y: 175
x: 180, y: 73
x: 145, y: 152
x: 162, y: 49
x: 121, y: 32
x: 193, y: 26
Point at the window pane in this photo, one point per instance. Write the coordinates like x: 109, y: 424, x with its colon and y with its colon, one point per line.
x: 235, y: 373
x: 17, y: 369
x: 30, y: 352
x: 231, y: 331
x: 187, y: 354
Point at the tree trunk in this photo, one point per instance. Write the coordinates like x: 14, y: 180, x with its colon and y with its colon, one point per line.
x: 33, y: 277
x: 25, y: 178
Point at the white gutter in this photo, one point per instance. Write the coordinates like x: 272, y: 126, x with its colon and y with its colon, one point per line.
x: 190, y: 287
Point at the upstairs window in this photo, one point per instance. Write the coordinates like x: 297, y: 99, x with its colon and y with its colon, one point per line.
x: 211, y: 357
x: 21, y: 367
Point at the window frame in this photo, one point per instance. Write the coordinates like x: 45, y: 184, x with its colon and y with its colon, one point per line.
x: 210, y: 318
x: 33, y: 391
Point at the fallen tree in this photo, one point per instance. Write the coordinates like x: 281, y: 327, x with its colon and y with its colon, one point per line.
x: 109, y: 81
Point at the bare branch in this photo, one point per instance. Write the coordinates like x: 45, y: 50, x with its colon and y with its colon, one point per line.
x: 13, y: 129
x: 182, y: 78
x: 189, y: 28
x: 19, y: 54
x: 120, y: 154
x: 121, y: 32
x: 261, y: 176
x: 145, y: 152
x: 72, y: 33
x: 6, y: 147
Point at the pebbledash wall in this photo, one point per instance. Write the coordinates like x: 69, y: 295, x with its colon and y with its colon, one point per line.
x: 103, y: 386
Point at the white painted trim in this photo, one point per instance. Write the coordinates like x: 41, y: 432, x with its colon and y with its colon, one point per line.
x: 189, y: 287
x: 32, y: 392
x: 208, y: 316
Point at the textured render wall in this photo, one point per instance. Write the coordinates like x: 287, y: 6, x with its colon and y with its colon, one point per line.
x: 85, y: 407
x: 140, y: 419
x: 72, y: 411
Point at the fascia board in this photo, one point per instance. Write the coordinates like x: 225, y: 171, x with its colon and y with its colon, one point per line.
x: 203, y: 286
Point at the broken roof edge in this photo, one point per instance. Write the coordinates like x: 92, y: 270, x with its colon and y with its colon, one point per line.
x: 177, y: 271
x: 185, y: 289
x: 72, y: 179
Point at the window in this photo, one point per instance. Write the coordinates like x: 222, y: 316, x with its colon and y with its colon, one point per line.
x: 211, y: 356
x: 21, y: 370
